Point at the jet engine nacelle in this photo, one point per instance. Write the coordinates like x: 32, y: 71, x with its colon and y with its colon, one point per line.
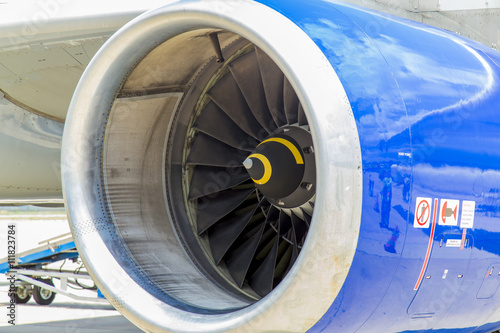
x: 287, y: 166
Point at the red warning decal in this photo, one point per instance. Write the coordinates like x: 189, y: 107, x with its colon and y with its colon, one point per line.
x: 422, y: 213
x: 429, y: 246
x: 449, y: 212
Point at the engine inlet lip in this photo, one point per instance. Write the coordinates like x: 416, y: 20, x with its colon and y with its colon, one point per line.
x: 337, y: 151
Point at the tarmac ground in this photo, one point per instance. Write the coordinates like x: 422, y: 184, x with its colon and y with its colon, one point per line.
x: 64, y: 315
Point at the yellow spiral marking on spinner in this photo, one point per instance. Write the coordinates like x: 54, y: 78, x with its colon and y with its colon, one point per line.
x: 290, y: 146
x: 268, y: 170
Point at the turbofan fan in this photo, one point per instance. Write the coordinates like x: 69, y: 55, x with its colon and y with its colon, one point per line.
x: 249, y: 172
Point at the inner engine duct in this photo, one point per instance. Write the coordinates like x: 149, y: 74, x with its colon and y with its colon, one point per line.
x: 218, y: 162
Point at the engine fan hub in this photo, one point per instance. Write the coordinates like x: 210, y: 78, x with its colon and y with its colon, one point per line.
x: 277, y: 166
x: 283, y: 167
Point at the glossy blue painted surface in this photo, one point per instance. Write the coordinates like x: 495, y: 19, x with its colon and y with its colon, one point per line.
x: 427, y: 106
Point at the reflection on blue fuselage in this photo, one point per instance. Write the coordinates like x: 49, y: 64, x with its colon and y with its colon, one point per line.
x: 426, y: 103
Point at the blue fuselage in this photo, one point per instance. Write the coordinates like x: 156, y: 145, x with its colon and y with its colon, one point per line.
x: 426, y: 104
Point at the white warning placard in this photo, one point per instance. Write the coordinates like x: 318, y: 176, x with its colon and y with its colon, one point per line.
x: 467, y: 218
x: 422, y: 213
x: 453, y: 242
x: 448, y: 212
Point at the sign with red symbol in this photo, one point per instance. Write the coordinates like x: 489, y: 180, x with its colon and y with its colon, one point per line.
x: 422, y: 213
x: 448, y: 212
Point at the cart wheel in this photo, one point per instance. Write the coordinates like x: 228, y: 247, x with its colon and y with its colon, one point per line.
x: 22, y: 294
x: 43, y: 296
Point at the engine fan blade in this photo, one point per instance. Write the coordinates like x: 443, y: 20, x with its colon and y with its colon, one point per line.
x: 229, y: 98
x: 207, y: 180
x: 307, y: 217
x: 291, y: 103
x: 284, y: 256
x: 249, y: 81
x: 285, y: 223
x: 262, y: 279
x: 302, y: 116
x: 300, y: 228
x: 214, y: 122
x: 294, y: 254
x: 212, y: 152
x: 238, y: 261
x: 224, y: 234
x: 211, y: 210
x: 272, y: 80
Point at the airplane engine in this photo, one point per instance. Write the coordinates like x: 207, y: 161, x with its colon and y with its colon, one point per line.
x: 281, y: 166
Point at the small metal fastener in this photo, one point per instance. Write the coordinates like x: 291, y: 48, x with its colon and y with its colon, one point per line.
x: 307, y: 186
x: 308, y: 150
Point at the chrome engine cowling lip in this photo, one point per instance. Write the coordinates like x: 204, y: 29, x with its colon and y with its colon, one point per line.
x: 319, y: 272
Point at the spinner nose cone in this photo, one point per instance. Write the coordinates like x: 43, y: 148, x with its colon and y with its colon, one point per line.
x: 248, y: 163
x: 259, y: 168
x: 276, y: 166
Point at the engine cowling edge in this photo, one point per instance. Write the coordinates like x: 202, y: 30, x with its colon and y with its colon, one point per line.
x: 319, y: 272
